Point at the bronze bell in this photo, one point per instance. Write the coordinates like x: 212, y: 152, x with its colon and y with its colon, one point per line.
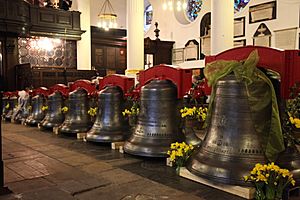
x: 13, y: 102
x: 77, y: 119
x: 54, y: 116
x: 232, y: 146
x: 110, y: 124
x: 37, y: 114
x: 23, y: 109
x: 5, y: 101
x: 158, y: 121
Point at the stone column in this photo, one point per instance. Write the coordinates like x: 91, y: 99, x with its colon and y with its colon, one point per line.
x: 84, y: 56
x: 135, y: 37
x: 222, y: 21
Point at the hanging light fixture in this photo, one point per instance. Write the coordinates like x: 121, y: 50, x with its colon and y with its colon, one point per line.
x: 107, y: 16
x: 170, y: 4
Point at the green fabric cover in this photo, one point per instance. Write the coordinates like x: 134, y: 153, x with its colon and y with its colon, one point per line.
x: 247, y: 73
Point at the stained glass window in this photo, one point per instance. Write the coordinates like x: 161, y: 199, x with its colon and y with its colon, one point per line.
x: 193, y: 9
x: 148, y: 15
x: 239, y: 5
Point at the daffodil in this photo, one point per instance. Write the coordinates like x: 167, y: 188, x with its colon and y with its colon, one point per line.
x: 179, y: 153
x: 64, y: 109
x: 93, y: 111
x: 44, y: 108
x: 271, y: 176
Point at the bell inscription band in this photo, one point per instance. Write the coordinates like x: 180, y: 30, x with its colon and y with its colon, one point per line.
x: 157, y: 126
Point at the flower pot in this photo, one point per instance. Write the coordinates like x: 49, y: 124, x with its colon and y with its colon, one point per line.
x: 193, y: 123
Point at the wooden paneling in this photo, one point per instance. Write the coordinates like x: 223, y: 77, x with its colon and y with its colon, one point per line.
x: 24, y: 19
x: 47, y: 77
x: 109, y: 50
x: 161, y: 50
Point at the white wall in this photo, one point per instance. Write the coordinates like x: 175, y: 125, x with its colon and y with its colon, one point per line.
x: 287, y: 17
x: 171, y: 29
x: 119, y: 7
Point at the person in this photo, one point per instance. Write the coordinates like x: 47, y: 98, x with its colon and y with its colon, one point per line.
x: 66, y: 4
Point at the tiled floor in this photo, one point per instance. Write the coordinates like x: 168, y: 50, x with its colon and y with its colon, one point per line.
x: 41, y: 165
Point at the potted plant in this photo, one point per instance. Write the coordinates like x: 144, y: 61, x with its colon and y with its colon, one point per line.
x: 132, y: 114
x: 269, y: 181
x: 193, y: 117
x: 179, y: 154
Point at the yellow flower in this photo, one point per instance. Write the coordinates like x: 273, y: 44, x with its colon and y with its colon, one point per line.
x: 44, y: 108
x: 270, y: 174
x: 293, y: 182
x: 292, y: 120
x: 179, y: 153
x: 64, y: 109
x: 92, y: 111
x: 7, y: 106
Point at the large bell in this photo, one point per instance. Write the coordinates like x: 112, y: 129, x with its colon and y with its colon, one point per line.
x: 158, y: 121
x: 5, y: 102
x: 37, y: 114
x: 22, y: 111
x: 77, y: 119
x: 13, y: 102
x: 110, y: 124
x: 54, y: 116
x: 232, y: 146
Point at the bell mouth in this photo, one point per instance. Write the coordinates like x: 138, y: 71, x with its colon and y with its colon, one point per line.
x: 104, y: 136
x: 145, y: 151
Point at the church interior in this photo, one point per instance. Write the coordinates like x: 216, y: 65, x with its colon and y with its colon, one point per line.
x: 150, y: 99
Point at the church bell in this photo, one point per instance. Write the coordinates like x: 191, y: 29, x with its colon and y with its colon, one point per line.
x: 5, y: 101
x: 158, y: 121
x: 54, y: 116
x: 110, y: 124
x: 232, y: 146
x: 77, y: 119
x: 37, y: 114
x: 13, y: 102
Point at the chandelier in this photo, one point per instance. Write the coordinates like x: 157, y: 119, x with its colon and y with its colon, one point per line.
x: 107, y: 16
x: 170, y: 4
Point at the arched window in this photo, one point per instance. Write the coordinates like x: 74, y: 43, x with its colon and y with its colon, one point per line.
x: 148, y: 15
